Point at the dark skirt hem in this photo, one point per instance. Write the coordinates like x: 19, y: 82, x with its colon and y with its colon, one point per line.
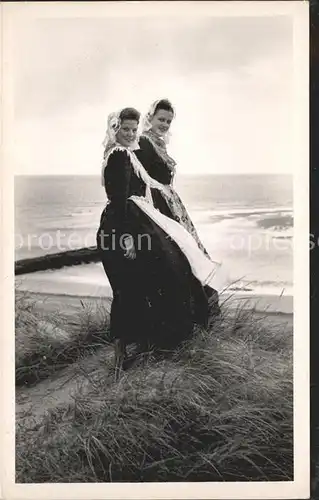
x: 156, y: 297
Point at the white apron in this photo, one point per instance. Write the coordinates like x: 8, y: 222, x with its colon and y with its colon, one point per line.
x: 206, y: 271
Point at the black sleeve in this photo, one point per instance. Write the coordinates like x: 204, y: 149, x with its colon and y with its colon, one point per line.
x: 146, y: 154
x: 117, y: 175
x: 152, y: 162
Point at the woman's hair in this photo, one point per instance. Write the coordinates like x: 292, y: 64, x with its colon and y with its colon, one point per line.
x: 129, y: 114
x: 165, y: 105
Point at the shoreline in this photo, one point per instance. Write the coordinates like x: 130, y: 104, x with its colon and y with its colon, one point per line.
x: 79, y: 274
x: 267, y: 305
x: 96, y: 287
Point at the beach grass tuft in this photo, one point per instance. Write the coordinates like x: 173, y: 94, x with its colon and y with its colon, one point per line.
x: 219, y: 408
x: 45, y: 344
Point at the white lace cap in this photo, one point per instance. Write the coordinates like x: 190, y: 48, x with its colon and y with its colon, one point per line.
x: 146, y: 122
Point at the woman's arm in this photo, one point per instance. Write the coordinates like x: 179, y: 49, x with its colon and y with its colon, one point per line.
x: 117, y: 176
x: 152, y: 162
x: 146, y: 154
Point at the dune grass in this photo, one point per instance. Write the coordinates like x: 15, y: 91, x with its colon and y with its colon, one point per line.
x: 45, y: 345
x: 220, y: 408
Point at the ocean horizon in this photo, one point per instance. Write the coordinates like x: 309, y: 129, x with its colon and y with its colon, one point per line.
x: 245, y: 221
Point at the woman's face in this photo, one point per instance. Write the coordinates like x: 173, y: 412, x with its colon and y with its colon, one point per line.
x: 161, y: 121
x: 127, y: 133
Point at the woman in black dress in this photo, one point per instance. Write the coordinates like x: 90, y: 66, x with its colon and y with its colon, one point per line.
x: 155, y: 268
x: 160, y: 166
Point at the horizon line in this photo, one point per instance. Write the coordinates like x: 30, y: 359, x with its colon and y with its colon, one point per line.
x: 182, y: 174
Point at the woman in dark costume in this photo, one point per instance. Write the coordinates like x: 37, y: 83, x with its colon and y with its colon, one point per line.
x: 155, y: 268
x: 160, y: 166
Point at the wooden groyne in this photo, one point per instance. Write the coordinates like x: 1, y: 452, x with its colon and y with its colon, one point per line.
x: 57, y: 260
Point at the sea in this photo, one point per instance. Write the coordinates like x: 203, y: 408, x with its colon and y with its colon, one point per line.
x: 245, y: 222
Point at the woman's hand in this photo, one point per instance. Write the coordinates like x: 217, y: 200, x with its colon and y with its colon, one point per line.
x: 129, y: 252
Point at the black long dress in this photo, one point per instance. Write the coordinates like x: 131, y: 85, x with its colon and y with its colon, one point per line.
x: 156, y: 297
x: 161, y: 167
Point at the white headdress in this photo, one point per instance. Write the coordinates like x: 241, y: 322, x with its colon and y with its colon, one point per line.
x: 113, y: 126
x: 148, y: 116
x: 147, y: 125
x: 110, y: 140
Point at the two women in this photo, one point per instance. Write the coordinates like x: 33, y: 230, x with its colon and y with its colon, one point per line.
x: 155, y: 267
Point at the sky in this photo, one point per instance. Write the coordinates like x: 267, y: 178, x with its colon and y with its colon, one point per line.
x: 229, y: 78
